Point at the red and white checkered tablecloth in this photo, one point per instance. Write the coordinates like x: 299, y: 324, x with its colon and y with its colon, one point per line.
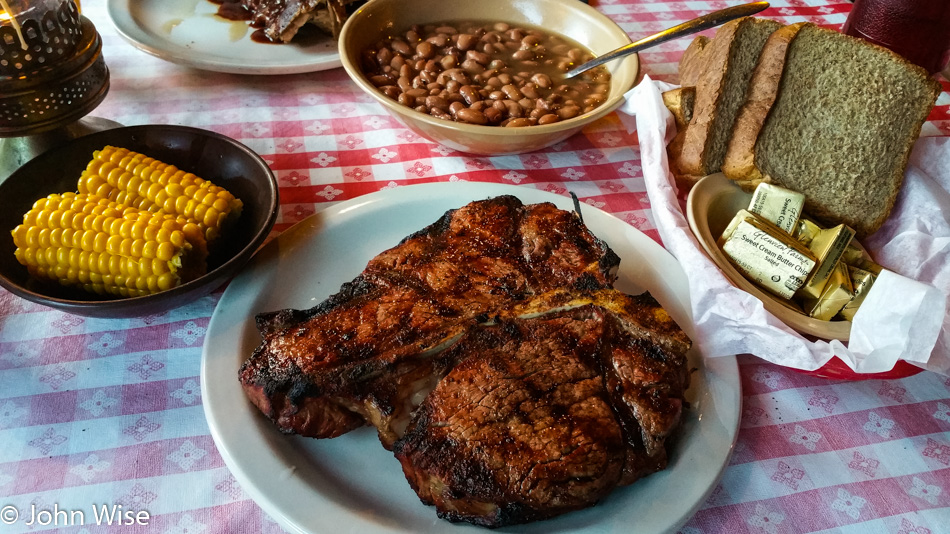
x: 109, y: 411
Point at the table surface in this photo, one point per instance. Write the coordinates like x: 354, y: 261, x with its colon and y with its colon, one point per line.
x: 109, y: 411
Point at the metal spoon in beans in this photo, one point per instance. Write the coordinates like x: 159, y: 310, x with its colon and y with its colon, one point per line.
x: 491, y: 73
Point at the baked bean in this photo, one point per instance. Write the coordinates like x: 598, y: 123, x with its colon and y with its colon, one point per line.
x: 472, y: 67
x: 438, y: 40
x: 518, y: 123
x: 529, y: 90
x: 401, y: 47
x: 448, y: 62
x: 514, y: 110
x: 471, y: 116
x: 512, y: 92
x: 493, y: 115
x: 466, y: 41
x: 465, y: 72
x: 594, y: 100
x: 470, y: 94
x: 523, y: 55
x: 439, y: 114
x: 380, y: 80
x: 530, y: 41
x: 384, y: 56
x: 425, y: 49
x: 541, y: 80
x: 436, y: 102
x: 479, y: 57
x: 568, y: 112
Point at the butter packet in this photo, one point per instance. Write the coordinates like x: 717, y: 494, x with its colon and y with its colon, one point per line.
x: 838, y: 292
x: 828, y: 246
x: 781, y: 207
x: 766, y: 255
x: 861, y: 282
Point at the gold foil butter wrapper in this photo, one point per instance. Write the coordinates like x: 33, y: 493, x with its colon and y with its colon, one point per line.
x: 773, y: 260
x: 861, y: 282
x: 828, y: 246
x: 806, y: 230
x: 781, y: 207
x: 836, y: 295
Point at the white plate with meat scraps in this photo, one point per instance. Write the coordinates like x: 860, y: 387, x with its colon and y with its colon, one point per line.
x: 351, y: 482
x: 189, y: 33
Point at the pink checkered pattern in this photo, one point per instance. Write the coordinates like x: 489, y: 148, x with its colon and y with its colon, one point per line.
x: 109, y: 411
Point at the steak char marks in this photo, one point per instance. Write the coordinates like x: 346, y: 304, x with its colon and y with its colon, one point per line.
x: 549, y: 414
x: 368, y: 353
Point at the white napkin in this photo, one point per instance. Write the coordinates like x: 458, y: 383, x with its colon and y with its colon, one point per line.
x: 903, y: 314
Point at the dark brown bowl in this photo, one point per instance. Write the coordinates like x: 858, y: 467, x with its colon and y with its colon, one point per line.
x: 209, y: 155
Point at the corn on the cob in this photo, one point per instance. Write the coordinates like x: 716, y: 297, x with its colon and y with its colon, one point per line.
x: 145, y: 183
x: 94, y: 243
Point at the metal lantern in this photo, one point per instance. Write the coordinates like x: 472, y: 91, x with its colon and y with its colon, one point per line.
x: 52, y: 74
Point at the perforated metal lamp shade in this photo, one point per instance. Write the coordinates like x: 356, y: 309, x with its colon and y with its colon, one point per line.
x: 47, y: 88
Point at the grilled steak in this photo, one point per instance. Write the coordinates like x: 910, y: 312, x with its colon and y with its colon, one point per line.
x: 545, y: 415
x: 492, y: 356
x: 370, y: 352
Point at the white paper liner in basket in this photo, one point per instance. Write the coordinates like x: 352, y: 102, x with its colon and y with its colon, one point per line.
x: 904, y: 315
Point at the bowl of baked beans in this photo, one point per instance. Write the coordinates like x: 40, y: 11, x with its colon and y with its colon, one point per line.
x: 486, y: 77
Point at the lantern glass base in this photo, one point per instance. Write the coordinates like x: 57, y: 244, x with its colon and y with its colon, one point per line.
x: 15, y: 151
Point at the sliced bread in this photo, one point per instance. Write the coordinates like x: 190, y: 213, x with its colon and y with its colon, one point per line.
x: 680, y: 102
x: 729, y: 57
x: 763, y: 89
x: 841, y: 128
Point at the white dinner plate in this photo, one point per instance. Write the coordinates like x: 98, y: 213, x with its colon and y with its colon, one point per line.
x: 352, y: 484
x: 187, y: 32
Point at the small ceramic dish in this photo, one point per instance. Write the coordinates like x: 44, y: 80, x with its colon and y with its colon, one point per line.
x: 711, y: 204
x: 569, y: 18
x: 209, y: 155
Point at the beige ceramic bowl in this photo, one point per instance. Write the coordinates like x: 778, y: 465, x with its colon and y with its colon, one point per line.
x: 711, y: 204
x: 570, y: 18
